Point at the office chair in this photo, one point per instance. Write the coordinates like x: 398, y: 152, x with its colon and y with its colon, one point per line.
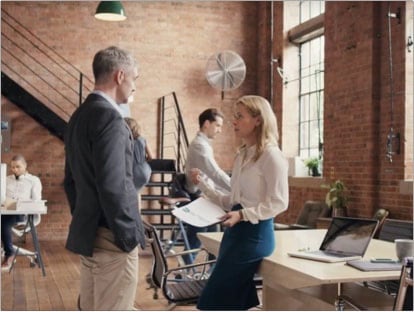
x: 380, y: 215
x: 391, y: 230
x: 311, y: 211
x: 180, y: 285
x: 404, y: 298
x: 178, y: 232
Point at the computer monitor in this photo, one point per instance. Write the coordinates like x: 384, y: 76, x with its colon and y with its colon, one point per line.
x: 3, y: 173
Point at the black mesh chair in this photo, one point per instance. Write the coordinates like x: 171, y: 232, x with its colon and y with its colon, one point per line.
x: 311, y: 211
x: 404, y: 297
x: 180, y: 285
x: 391, y: 230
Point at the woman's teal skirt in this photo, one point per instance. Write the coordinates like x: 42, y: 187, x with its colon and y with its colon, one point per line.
x: 243, y: 247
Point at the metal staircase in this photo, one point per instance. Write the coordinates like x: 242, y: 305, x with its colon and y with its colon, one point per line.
x: 158, y: 214
x: 32, y: 106
x: 172, y: 150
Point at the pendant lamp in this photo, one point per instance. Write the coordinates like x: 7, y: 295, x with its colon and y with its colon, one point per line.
x: 110, y: 11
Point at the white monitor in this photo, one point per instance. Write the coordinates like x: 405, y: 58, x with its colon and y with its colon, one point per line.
x: 3, y: 174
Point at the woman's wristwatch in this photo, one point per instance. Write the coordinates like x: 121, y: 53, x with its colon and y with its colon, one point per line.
x: 241, y: 215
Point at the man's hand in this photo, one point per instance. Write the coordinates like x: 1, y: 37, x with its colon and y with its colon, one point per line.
x: 195, y: 175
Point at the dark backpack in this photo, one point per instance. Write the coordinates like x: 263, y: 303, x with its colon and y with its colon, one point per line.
x: 177, y: 188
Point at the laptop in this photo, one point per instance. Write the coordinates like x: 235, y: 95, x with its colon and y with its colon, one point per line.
x: 346, y: 239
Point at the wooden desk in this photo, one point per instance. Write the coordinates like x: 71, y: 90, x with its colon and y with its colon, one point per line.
x: 30, y: 216
x: 297, y: 284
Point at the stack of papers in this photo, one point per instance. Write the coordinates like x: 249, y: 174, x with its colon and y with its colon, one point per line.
x: 200, y: 212
x: 32, y: 205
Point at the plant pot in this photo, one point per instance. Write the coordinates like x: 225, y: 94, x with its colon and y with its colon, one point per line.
x: 315, y: 172
x: 339, y: 212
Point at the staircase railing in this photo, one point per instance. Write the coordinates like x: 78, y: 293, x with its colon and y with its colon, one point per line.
x: 39, y: 69
x: 173, y: 140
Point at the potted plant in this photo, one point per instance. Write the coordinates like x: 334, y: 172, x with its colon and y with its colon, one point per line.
x: 336, y: 197
x: 313, y: 166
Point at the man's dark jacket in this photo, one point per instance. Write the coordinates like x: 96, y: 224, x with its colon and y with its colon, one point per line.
x: 98, y: 178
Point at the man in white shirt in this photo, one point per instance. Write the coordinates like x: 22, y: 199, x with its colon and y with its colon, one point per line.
x: 200, y: 155
x: 21, y: 185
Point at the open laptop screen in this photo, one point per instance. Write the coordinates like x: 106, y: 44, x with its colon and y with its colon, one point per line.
x: 349, y: 235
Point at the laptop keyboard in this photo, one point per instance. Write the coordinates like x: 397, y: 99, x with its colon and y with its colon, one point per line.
x: 326, y: 253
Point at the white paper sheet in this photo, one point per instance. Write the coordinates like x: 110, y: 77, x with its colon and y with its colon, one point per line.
x: 200, y: 212
x: 34, y: 205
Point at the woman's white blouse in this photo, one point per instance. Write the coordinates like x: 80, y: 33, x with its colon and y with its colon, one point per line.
x: 261, y: 186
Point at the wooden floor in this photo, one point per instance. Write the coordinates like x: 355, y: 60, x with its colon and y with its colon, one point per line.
x: 26, y: 289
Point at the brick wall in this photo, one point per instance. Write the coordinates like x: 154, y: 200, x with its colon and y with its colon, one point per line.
x: 357, y: 110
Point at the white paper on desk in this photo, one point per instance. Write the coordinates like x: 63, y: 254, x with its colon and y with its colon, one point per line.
x: 200, y: 212
x: 35, y: 205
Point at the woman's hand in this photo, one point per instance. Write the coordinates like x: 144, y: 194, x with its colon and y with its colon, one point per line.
x: 231, y: 218
x: 195, y: 175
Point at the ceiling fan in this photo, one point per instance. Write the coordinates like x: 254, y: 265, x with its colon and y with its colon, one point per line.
x: 225, y: 71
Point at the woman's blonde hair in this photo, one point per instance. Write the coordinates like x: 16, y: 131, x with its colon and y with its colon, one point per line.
x: 267, y: 132
x: 134, y: 126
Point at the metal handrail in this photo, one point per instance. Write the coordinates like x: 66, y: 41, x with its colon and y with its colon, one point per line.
x: 172, y: 125
x: 41, y: 67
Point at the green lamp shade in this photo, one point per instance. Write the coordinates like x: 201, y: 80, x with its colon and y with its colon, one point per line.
x: 110, y: 11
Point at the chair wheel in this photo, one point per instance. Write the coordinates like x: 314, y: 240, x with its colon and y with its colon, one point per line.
x: 148, y: 279
x: 32, y: 264
x: 155, y: 296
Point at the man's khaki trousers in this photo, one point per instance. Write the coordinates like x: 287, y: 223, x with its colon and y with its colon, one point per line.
x: 108, y: 279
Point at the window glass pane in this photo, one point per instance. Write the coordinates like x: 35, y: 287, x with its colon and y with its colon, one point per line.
x: 313, y: 106
x: 313, y: 79
x: 305, y: 55
x: 304, y: 135
x: 316, y: 8
x: 304, y: 108
x: 322, y: 50
x: 310, y: 8
x: 305, y: 84
x: 313, y: 152
x: 304, y: 11
x: 321, y: 110
x: 314, y: 134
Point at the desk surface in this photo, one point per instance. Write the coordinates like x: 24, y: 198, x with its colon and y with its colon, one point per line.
x: 23, y: 211
x: 296, y: 273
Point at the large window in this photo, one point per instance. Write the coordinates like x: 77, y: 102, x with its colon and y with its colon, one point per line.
x: 311, y: 85
x: 303, y: 78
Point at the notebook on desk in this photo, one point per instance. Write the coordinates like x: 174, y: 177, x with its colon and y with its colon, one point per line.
x: 371, y: 266
x: 346, y: 239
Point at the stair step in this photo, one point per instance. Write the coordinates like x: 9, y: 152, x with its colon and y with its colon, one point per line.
x: 162, y: 165
x: 156, y: 212
x: 165, y: 226
x: 158, y: 184
x: 152, y: 196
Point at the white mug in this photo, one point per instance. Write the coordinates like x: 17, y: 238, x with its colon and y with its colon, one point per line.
x: 404, y: 248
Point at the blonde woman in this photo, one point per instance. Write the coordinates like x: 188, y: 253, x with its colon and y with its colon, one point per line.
x: 142, y: 153
x: 259, y: 191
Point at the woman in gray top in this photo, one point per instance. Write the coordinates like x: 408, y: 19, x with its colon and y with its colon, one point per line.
x: 142, y: 153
